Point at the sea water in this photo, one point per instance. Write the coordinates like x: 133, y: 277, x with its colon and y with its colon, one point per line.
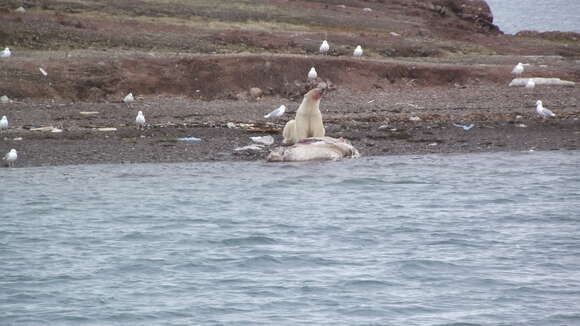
x: 513, y: 16
x: 477, y: 239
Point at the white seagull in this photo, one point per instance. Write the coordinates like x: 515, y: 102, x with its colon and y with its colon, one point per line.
x: 140, y: 120
x: 324, y: 47
x: 276, y: 113
x: 6, y: 53
x: 312, y: 73
x: 542, y: 111
x: 129, y: 98
x: 11, y: 157
x: 43, y: 72
x: 518, y: 69
x: 465, y: 127
x: 3, y: 123
x: 530, y: 83
x: 358, y: 52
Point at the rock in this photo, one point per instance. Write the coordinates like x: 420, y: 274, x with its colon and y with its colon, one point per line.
x: 20, y: 10
x: 265, y: 140
x: 256, y: 92
x: 4, y: 99
x: 242, y: 96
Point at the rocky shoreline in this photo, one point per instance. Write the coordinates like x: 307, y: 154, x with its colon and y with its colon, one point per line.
x: 447, y: 64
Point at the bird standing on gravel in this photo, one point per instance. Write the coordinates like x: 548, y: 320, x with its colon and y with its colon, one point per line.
x: 530, y: 83
x: 518, y: 69
x: 140, y: 120
x: 6, y: 53
x: 11, y: 157
x: 324, y: 47
x: 3, y: 123
x: 129, y: 98
x: 276, y: 113
x: 542, y: 111
x: 358, y: 52
x: 312, y: 73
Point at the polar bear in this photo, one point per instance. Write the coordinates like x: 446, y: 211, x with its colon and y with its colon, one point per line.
x: 289, y: 133
x: 308, y: 121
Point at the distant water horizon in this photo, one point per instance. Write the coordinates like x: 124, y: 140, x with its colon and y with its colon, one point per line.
x: 513, y: 16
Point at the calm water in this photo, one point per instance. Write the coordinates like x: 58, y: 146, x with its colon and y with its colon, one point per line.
x: 480, y: 239
x: 513, y: 16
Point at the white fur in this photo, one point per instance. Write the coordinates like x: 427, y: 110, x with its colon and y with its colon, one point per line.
x: 309, y: 118
x: 289, y: 133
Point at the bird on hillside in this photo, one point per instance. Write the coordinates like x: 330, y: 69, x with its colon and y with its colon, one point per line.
x: 11, y: 157
x: 276, y: 113
x: 518, y: 69
x: 3, y: 123
x: 358, y: 52
x: 312, y: 73
x: 530, y: 83
x: 129, y: 98
x: 324, y: 47
x: 140, y: 120
x: 6, y: 53
x: 542, y: 111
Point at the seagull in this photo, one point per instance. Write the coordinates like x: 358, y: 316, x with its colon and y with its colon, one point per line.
x: 312, y: 73
x: 129, y: 98
x: 6, y: 53
x: 3, y: 123
x: 11, y: 157
x: 358, y: 52
x: 276, y: 113
x: 518, y: 69
x: 4, y: 99
x: 465, y: 127
x: 43, y: 72
x: 324, y: 47
x: 530, y: 83
x: 542, y: 111
x: 140, y: 120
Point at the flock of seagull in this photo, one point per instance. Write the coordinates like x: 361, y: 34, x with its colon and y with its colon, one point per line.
x: 140, y: 121
x: 540, y: 109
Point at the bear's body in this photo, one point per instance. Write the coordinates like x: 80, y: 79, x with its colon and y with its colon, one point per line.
x: 308, y: 121
x: 289, y: 133
x: 308, y: 116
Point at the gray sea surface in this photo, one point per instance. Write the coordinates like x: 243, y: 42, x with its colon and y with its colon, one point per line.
x: 476, y: 239
x: 513, y: 16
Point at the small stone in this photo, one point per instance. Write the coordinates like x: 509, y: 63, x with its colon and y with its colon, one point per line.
x: 414, y: 118
x: 20, y: 10
x: 255, y: 92
x: 367, y: 9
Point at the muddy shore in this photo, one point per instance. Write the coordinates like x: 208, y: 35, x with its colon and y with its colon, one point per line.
x: 377, y: 123
x: 192, y: 79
